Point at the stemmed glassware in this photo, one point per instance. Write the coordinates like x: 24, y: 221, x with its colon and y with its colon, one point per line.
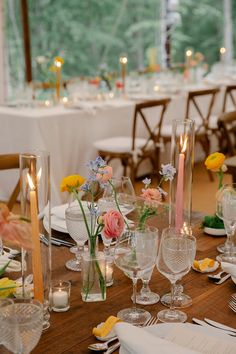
x: 175, y: 257
x: 21, y: 324
x: 77, y: 229
x: 146, y: 296
x: 136, y: 253
x: 121, y: 191
x: 226, y: 210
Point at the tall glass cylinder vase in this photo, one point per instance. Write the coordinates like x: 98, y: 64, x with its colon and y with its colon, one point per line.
x: 35, y: 205
x: 182, y: 158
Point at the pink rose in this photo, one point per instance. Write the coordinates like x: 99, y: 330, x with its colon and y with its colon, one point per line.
x: 14, y: 230
x: 113, y: 224
x: 150, y: 194
x: 104, y: 174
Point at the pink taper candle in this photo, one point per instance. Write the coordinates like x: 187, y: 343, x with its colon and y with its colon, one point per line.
x: 179, y: 207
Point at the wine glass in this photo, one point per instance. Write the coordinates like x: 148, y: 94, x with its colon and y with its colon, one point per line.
x: 77, y: 229
x: 136, y: 253
x: 21, y: 325
x: 121, y: 191
x: 175, y: 257
x: 226, y: 210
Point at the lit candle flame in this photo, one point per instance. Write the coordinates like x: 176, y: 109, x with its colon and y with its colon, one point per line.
x: 189, y: 53
x: 57, y: 63
x: 222, y: 50
x: 31, y: 183
x: 123, y: 60
x: 183, y: 143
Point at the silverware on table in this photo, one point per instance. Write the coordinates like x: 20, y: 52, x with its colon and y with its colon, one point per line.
x: 101, y: 346
x: 226, y: 329
x: 220, y: 325
x: 112, y: 348
x: 232, y: 305
x: 218, y: 279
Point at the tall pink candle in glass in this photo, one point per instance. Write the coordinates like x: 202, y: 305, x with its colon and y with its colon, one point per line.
x: 179, y: 210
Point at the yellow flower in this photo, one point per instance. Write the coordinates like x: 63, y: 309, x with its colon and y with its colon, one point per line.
x: 71, y: 181
x: 215, y: 161
x: 7, y: 287
x: 60, y: 59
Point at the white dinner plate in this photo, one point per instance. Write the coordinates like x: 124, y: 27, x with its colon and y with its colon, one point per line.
x: 234, y: 279
x: 59, y: 210
x: 56, y: 224
x: 214, y: 232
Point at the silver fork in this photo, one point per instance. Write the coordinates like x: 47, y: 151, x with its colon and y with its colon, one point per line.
x: 153, y: 320
x: 233, y: 296
x: 232, y: 305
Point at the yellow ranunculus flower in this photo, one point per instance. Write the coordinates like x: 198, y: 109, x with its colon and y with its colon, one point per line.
x: 60, y: 59
x: 71, y: 181
x: 215, y: 161
x: 7, y: 287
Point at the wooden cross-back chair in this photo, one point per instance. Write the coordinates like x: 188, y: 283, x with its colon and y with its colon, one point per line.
x: 133, y: 150
x: 205, y: 122
x: 229, y: 97
x: 9, y: 162
x: 227, y: 127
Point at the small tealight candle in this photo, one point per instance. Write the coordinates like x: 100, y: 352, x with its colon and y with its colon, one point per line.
x: 60, y: 296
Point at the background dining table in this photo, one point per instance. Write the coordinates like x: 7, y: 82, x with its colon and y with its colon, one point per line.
x: 68, y: 132
x: 71, y: 332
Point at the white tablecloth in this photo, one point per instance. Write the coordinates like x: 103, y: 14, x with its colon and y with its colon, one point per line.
x: 68, y: 134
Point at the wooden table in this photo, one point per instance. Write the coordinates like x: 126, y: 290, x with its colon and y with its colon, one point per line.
x: 231, y: 165
x: 71, y: 331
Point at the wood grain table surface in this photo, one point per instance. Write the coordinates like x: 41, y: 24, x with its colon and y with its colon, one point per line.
x: 71, y: 332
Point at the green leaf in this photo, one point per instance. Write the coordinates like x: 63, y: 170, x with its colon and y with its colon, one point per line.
x: 213, y: 221
x: 2, y: 270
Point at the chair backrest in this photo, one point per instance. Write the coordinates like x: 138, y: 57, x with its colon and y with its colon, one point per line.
x: 227, y: 126
x: 229, y: 94
x: 9, y: 162
x: 153, y: 132
x: 192, y: 100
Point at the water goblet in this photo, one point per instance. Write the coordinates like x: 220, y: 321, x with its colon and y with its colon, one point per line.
x: 22, y: 325
x: 175, y: 257
x: 121, y: 191
x: 134, y: 254
x: 226, y: 210
x: 146, y: 296
x: 77, y: 229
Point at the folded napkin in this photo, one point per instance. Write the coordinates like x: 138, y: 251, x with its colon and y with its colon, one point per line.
x: 135, y: 340
x: 229, y: 268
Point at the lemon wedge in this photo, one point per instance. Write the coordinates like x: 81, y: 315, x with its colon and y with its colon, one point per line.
x: 106, y: 327
x: 203, y: 264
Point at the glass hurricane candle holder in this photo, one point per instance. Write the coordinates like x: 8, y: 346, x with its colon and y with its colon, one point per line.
x: 182, y: 158
x: 35, y: 205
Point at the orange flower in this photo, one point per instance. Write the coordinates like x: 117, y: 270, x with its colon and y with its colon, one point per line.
x: 214, y: 162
